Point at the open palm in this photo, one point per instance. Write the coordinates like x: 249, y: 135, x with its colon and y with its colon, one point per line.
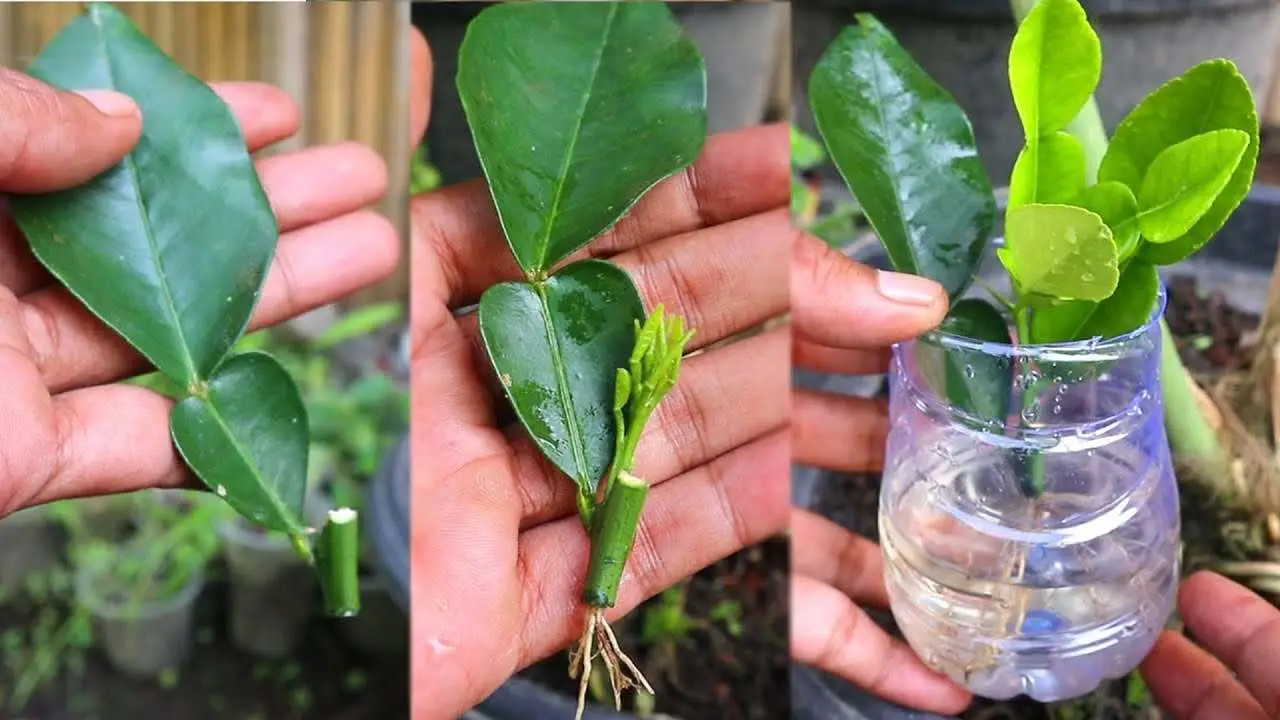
x: 499, y: 553
x: 67, y: 429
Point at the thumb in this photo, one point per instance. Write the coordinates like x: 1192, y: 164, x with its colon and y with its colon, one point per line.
x: 53, y: 139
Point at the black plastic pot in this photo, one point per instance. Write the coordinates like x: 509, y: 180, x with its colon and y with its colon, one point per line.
x: 964, y: 45
x: 1237, y: 262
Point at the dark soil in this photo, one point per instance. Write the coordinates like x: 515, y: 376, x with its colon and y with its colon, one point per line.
x: 726, y: 669
x: 1208, y: 331
x: 325, y: 680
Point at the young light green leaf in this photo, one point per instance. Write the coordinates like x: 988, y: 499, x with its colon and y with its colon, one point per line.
x: 1185, y: 179
x: 1118, y: 208
x: 147, y: 246
x: 246, y: 438
x: 556, y: 348
x: 1054, y: 65
x: 1059, y: 251
x: 1210, y: 96
x: 806, y: 152
x: 577, y: 109
x: 1047, y: 171
x: 1129, y: 307
x: 906, y: 151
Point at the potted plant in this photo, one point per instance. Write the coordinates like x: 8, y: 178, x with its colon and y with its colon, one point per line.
x: 1029, y: 513
x: 141, y: 592
x: 32, y: 544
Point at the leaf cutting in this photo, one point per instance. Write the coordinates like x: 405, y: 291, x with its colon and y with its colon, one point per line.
x: 170, y: 248
x: 573, y: 124
x: 1081, y: 252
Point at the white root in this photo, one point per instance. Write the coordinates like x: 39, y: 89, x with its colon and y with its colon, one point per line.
x: 623, y: 673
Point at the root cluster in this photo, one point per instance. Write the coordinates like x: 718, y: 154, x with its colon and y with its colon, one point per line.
x: 598, y: 640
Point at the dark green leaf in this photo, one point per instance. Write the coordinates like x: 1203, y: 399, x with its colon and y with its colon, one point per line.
x: 1210, y: 96
x: 1054, y: 65
x: 556, y: 348
x: 977, y: 382
x: 906, y: 150
x: 1059, y: 251
x: 1048, y: 170
x: 171, y: 246
x: 246, y: 438
x: 576, y: 110
x: 1060, y: 321
x: 1118, y: 208
x: 1129, y: 307
x: 1184, y: 180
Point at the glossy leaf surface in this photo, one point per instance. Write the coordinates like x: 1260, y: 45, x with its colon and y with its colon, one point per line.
x: 1184, y: 180
x: 1055, y: 62
x: 906, y: 151
x: 247, y: 439
x: 1059, y: 251
x: 1210, y: 96
x: 577, y: 109
x: 977, y: 382
x: 556, y: 348
x: 171, y: 246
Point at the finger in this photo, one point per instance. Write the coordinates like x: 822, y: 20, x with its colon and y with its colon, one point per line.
x: 313, y: 266
x: 52, y: 139
x: 1240, y: 628
x: 723, y: 279
x: 826, y: 552
x: 738, y: 174
x: 320, y: 183
x: 831, y: 633
x: 838, y: 432
x: 725, y: 399
x: 840, y: 303
x: 110, y: 439
x: 734, y: 501
x: 808, y: 355
x: 420, y: 81
x: 266, y: 115
x: 1190, y: 684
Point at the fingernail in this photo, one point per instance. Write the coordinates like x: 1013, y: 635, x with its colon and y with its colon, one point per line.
x: 110, y: 102
x: 906, y: 289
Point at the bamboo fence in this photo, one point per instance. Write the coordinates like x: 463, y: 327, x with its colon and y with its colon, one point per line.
x: 345, y: 63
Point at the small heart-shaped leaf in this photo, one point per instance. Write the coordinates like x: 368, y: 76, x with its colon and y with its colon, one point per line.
x: 246, y: 437
x: 556, y: 347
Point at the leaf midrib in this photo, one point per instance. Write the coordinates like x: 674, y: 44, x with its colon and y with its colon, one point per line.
x: 899, y: 211
x: 274, y: 500
x: 132, y: 171
x: 544, y: 244
x: 562, y: 381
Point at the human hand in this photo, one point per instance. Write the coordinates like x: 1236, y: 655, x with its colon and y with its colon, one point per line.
x: 499, y: 553
x: 846, y: 316
x: 65, y: 429
x: 1237, y: 673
